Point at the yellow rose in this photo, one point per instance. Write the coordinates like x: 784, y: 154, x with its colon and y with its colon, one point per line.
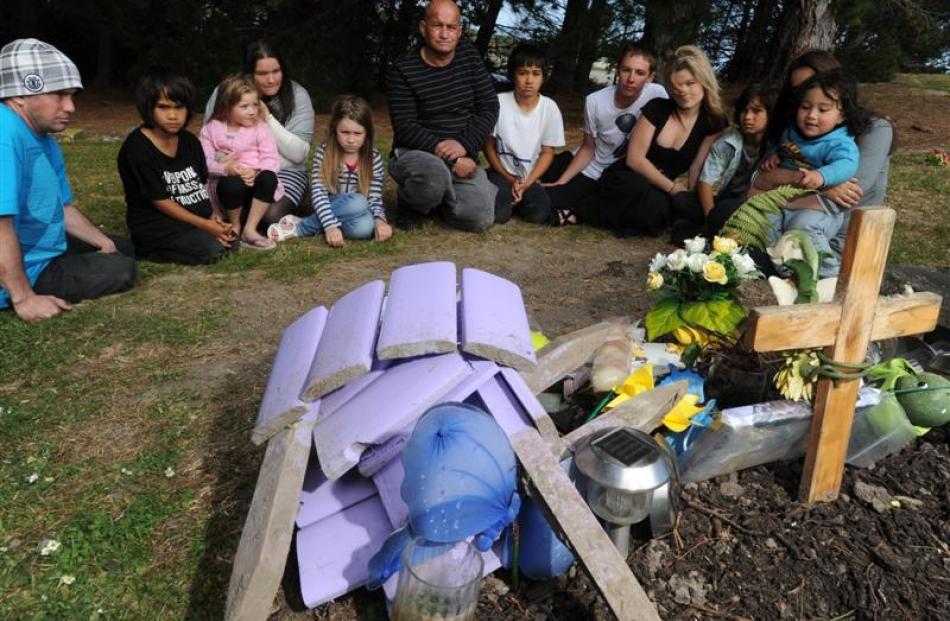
x: 654, y: 281
x: 715, y: 272
x: 725, y: 245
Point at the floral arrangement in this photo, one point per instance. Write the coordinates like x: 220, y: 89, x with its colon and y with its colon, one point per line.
x: 938, y: 157
x: 698, y: 289
x: 796, y: 380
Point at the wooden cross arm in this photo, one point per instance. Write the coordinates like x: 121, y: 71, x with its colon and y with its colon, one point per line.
x: 776, y: 328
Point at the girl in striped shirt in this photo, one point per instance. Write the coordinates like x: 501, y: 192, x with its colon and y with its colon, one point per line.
x: 346, y: 183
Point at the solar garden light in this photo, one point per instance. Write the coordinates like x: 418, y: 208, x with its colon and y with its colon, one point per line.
x: 621, y: 468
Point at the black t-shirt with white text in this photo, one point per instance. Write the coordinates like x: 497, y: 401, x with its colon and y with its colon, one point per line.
x: 149, y: 175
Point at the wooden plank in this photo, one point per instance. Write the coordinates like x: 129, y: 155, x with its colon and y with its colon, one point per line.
x: 643, y: 412
x: 556, y: 492
x: 346, y: 349
x: 534, y: 409
x: 565, y: 354
x: 862, y: 269
x: 493, y: 320
x: 384, y: 408
x: 421, y: 314
x: 281, y: 404
x: 265, y: 539
x: 333, y: 554
x: 775, y: 328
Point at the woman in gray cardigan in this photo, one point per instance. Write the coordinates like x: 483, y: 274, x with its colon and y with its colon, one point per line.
x: 287, y: 110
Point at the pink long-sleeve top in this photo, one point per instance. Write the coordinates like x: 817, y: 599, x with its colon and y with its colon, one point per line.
x: 254, y: 145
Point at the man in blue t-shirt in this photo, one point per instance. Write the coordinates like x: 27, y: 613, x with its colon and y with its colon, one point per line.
x: 50, y: 253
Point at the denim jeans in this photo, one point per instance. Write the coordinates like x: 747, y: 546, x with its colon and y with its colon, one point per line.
x: 352, y: 210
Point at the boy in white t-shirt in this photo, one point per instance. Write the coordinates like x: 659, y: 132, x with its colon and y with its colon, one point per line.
x: 521, y: 148
x: 609, y: 116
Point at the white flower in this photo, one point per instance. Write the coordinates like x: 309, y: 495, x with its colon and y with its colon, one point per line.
x: 67, y: 580
x: 47, y: 479
x: 126, y: 472
x: 169, y: 472
x: 695, y: 244
x: 49, y: 546
x: 697, y: 261
x: 32, y: 478
x: 677, y: 260
x: 786, y: 249
x: 744, y: 263
x: 658, y: 262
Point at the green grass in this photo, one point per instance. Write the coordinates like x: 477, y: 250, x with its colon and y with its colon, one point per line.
x: 109, y: 389
x: 929, y: 81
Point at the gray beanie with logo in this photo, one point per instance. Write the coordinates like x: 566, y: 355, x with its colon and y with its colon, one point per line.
x: 32, y: 67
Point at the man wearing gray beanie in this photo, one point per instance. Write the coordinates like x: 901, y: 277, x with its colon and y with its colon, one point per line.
x: 50, y: 253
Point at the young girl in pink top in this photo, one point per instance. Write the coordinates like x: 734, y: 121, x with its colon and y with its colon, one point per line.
x: 242, y: 159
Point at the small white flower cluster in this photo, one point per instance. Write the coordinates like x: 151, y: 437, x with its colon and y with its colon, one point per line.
x: 49, y: 547
x: 694, y: 258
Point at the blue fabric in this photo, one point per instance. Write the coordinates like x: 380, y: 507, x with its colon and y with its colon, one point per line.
x: 353, y: 213
x: 723, y: 159
x: 694, y: 379
x: 34, y: 191
x: 459, y: 482
x: 541, y: 554
x: 835, y: 154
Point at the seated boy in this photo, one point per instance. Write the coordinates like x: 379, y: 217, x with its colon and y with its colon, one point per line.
x: 521, y: 147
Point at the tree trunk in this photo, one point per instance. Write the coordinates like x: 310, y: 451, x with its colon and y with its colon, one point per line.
x: 566, y: 47
x: 486, y: 25
x: 672, y: 24
x: 805, y: 24
x: 590, y: 45
x: 104, y: 57
x: 748, y: 61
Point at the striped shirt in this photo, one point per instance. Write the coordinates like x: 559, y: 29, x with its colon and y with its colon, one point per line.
x: 347, y: 182
x: 430, y: 104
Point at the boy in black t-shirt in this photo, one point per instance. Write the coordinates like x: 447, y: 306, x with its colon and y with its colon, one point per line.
x: 164, y: 174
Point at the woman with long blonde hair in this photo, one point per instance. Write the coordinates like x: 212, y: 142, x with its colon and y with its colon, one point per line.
x: 636, y: 194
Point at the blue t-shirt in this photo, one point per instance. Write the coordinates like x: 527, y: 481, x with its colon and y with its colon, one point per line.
x: 33, y: 190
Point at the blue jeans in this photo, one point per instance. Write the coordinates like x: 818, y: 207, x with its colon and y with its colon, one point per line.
x: 821, y: 227
x: 352, y: 210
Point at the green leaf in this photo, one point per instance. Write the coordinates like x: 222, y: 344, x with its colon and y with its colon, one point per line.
x: 663, y: 318
x: 719, y: 316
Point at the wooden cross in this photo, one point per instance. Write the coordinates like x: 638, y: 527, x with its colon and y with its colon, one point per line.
x: 844, y: 328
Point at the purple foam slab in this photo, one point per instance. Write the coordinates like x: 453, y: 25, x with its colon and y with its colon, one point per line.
x: 346, y: 349
x: 501, y: 403
x: 385, y: 407
x: 333, y: 554
x: 321, y: 498
x: 532, y: 407
x: 420, y: 313
x: 388, y: 481
x: 281, y: 404
x: 493, y: 320
x: 332, y: 402
x: 483, y: 370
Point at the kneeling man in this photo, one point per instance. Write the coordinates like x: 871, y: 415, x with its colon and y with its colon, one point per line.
x: 50, y: 253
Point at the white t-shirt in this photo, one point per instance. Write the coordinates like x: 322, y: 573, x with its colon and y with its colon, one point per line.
x: 519, y: 135
x: 611, y: 126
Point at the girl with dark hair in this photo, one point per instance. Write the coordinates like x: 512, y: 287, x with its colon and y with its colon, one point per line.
x: 288, y: 112
x: 867, y: 186
x: 727, y: 170
x: 163, y: 173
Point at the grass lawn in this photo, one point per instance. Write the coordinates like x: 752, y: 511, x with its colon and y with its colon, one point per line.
x: 126, y: 422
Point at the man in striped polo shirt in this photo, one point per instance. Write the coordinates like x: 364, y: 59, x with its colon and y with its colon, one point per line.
x: 443, y: 106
